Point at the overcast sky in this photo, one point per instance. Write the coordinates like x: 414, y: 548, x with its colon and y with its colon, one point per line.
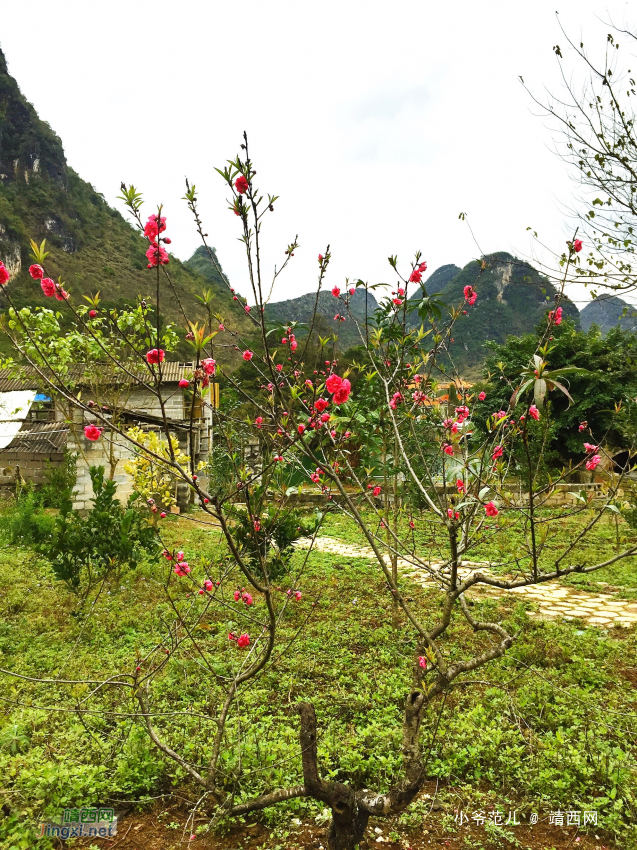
x: 376, y: 123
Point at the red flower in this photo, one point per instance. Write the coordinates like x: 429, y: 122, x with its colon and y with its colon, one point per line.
x: 184, y: 383
x: 556, y: 316
x: 241, y: 184
x: 497, y: 453
x: 592, y: 462
x: 155, y: 356
x: 342, y: 393
x: 36, y: 272
x: 460, y: 485
x: 92, y: 314
x: 590, y: 449
x: 534, y: 412
x: 482, y: 396
x: 415, y: 276
x: 447, y: 449
x: 470, y: 295
x: 336, y: 292
x: 248, y: 355
x: 333, y: 383
x: 320, y: 404
x: 182, y: 568
x: 92, y: 432
x: 577, y: 245
x: 48, y: 286
x: 4, y: 274
x: 397, y: 301
x: 491, y: 509
x: 209, y: 365
x: 376, y: 491
x: 293, y: 345
x: 422, y: 267
x: 243, y: 640
x: 422, y: 662
x: 60, y: 294
x: 207, y: 585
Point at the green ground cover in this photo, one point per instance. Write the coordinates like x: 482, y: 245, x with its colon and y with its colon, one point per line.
x: 551, y: 725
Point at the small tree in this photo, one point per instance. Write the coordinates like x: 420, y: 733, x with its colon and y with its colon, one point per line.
x: 454, y: 479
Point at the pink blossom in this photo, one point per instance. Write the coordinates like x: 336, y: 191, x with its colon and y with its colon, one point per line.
x: 301, y: 428
x: 61, y: 294
x: 293, y: 345
x: 247, y: 308
x: 298, y: 595
x: 491, y: 509
x: 155, y: 356
x: 241, y: 184
x: 180, y: 556
x: 182, y: 569
x: 534, y: 412
x: 412, y: 523
x: 92, y: 432
x: 208, y: 585
x: 447, y: 449
x: 415, y: 276
x: 501, y: 414
x: 462, y: 413
x: 460, y: 485
x: 556, y: 316
x: 352, y: 290
x: 577, y: 245
x: 320, y: 258
x: 422, y: 662
x: 482, y: 396
x: 248, y: 355
x: 397, y: 301
x: 209, y: 365
x: 470, y: 295
x: 342, y: 393
x: 4, y: 274
x: 583, y: 427
x: 497, y: 453
x: 320, y: 404
x: 36, y: 272
x: 325, y: 417
x: 333, y: 383
x: 592, y: 462
x: 92, y: 314
x: 243, y: 641
x: 336, y: 291
x: 48, y: 286
x: 376, y: 491
x: 237, y: 595
x: 184, y: 383
x: 258, y: 421
x: 222, y: 327
x: 590, y: 449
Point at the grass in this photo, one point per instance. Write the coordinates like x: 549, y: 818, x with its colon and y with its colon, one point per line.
x: 549, y: 726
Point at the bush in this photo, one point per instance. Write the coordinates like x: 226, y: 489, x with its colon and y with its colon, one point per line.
x: 84, y: 550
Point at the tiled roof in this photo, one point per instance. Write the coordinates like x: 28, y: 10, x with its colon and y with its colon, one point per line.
x: 39, y: 438
x: 26, y: 378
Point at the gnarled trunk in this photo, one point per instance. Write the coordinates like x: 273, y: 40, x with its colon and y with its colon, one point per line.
x: 349, y: 820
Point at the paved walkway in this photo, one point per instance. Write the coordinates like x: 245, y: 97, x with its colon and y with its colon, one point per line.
x: 555, y: 600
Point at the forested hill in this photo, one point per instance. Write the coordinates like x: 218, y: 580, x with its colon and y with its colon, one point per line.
x: 512, y: 298
x: 607, y: 311
x: 93, y: 248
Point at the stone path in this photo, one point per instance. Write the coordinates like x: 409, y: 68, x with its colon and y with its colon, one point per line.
x: 555, y: 600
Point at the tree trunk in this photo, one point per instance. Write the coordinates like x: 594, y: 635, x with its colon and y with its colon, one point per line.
x: 349, y: 821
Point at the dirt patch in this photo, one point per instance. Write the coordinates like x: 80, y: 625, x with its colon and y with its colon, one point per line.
x: 155, y: 831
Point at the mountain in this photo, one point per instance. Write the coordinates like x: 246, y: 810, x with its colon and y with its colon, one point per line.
x: 607, y: 311
x: 438, y: 279
x: 361, y: 306
x: 92, y: 247
x: 512, y: 298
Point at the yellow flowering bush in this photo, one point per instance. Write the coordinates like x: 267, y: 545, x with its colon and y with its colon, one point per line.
x: 151, y: 477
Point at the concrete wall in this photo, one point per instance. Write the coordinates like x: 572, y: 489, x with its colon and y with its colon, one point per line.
x: 31, y: 465
x: 98, y: 453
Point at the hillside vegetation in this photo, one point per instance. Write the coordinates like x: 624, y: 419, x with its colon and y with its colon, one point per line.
x: 93, y: 248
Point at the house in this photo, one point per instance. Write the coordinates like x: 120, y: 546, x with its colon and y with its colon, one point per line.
x: 38, y: 425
